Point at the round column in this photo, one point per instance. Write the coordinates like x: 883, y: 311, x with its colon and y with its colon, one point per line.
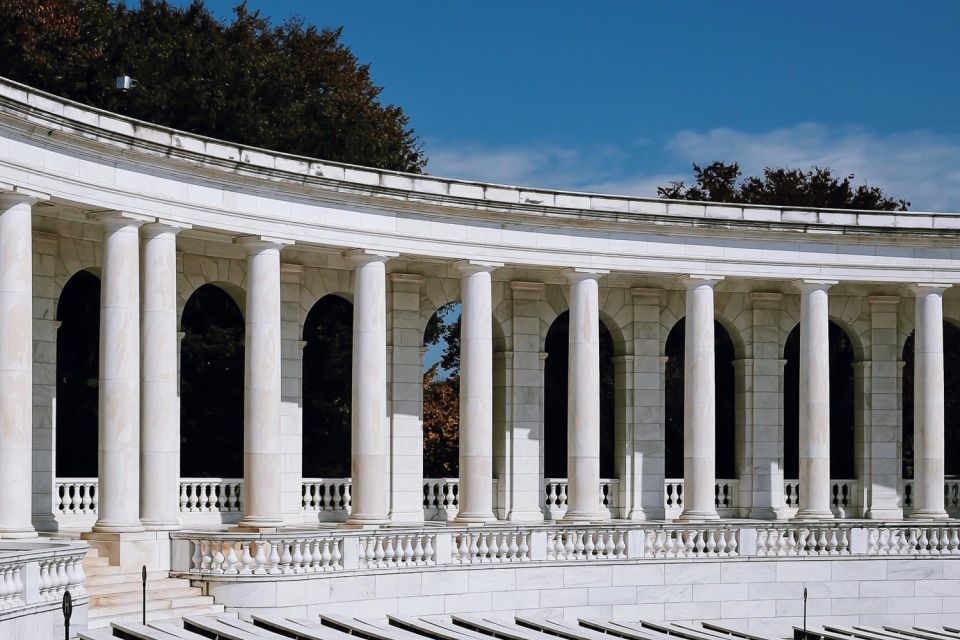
x: 16, y: 366
x: 699, y: 403
x: 119, y: 398
x: 476, y: 394
x: 159, y: 409
x: 583, y: 400
x: 261, y: 385
x: 370, y: 435
x: 928, y: 403
x: 814, y: 414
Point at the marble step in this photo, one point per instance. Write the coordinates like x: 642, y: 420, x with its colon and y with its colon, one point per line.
x: 101, y: 570
x: 109, y: 599
x: 173, y: 615
x: 114, y: 577
x: 134, y: 587
x: 114, y: 611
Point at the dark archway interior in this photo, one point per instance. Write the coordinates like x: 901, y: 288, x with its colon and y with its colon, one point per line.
x: 78, y: 377
x: 327, y: 385
x: 726, y: 408
x: 211, y: 386
x: 951, y: 413
x: 555, y: 400
x: 842, y: 397
x: 441, y: 393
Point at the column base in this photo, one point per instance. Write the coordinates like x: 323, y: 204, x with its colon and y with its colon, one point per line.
x: 473, y: 518
x: 11, y: 533
x: 365, y: 522
x: 116, y: 527
x: 132, y: 550
x: 262, y: 525
x: 810, y: 514
x: 524, y: 515
x: 929, y: 514
x: 698, y: 516
x: 164, y: 525
x: 642, y: 515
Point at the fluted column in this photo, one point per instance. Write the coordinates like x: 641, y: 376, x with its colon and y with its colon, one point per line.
x: 16, y: 366
x: 261, y: 385
x: 119, y: 416
x: 928, y: 403
x: 583, y: 399
x: 159, y: 410
x: 370, y: 436
x: 699, y: 402
x: 814, y: 414
x: 476, y: 393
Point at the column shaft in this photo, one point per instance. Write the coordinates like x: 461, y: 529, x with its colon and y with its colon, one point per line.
x: 699, y: 403
x: 370, y: 441
x: 119, y: 415
x: 261, y: 388
x: 583, y: 400
x: 476, y: 395
x: 814, y: 414
x: 16, y: 367
x: 160, y: 410
x: 928, y: 403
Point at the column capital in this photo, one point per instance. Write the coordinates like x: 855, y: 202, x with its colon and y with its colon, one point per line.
x: 11, y: 194
x: 112, y: 219
x: 806, y: 286
x: 694, y: 280
x: 925, y: 288
x: 579, y: 274
x: 257, y: 243
x: 467, y: 267
x: 361, y: 257
x: 161, y: 225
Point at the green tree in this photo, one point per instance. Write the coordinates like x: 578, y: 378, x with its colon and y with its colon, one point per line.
x: 816, y: 188
x: 290, y: 87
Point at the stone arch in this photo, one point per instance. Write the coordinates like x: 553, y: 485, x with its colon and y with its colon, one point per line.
x: 326, y: 388
x: 318, y: 283
x: 843, y: 404
x: 227, y: 274
x: 77, y: 376
x: 555, y: 399
x: 211, y: 384
x: 726, y: 401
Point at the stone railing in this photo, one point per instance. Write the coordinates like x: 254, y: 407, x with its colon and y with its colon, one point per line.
x: 555, y: 497
x: 951, y: 496
x: 725, y: 492
x: 75, y: 496
x: 329, y: 498
x: 205, y: 495
x: 257, y: 555
x: 844, y: 498
x: 237, y: 554
x: 34, y: 575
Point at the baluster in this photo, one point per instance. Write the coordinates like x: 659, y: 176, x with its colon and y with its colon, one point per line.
x: 562, y: 496
x: 247, y: 564
x: 184, y: 498
x: 428, y: 552
x: 954, y: 541
x: 196, y: 560
x: 832, y: 543
x: 84, y: 499
x: 261, y: 558
x: 722, y: 543
x: 523, y: 549
x: 286, y: 558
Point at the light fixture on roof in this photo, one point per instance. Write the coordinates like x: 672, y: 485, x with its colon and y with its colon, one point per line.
x: 125, y: 83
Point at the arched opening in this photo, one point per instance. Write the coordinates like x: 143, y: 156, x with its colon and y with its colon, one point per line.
x: 327, y: 383
x: 78, y: 377
x: 441, y: 393
x: 555, y: 400
x: 842, y: 411
x: 726, y: 407
x: 211, y: 386
x: 951, y: 410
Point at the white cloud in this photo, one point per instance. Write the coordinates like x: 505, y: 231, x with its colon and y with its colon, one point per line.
x: 920, y: 166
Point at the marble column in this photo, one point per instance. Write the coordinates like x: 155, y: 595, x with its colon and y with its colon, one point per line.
x: 583, y: 399
x: 814, y: 414
x: 119, y: 422
x: 261, y: 386
x: 476, y: 393
x: 159, y: 409
x: 16, y: 366
x: 370, y: 437
x: 928, y: 403
x: 699, y: 402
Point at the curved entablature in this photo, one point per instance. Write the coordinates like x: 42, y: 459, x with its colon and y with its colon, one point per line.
x: 87, y: 160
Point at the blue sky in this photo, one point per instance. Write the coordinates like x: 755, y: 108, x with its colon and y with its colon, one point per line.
x: 623, y: 96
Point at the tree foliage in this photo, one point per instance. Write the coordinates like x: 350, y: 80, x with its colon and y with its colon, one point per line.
x: 441, y: 395
x: 290, y: 87
x: 816, y: 188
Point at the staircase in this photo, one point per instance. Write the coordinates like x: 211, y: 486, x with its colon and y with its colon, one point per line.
x: 116, y: 597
